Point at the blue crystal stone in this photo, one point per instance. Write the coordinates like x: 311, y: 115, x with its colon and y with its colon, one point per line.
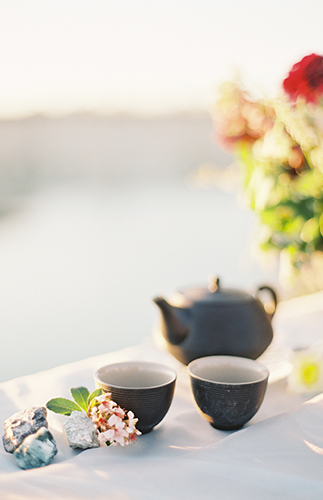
x: 37, y: 450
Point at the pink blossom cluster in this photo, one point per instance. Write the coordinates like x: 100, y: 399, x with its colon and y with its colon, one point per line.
x: 115, y: 425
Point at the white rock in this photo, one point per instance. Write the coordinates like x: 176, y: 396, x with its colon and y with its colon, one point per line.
x: 81, y: 431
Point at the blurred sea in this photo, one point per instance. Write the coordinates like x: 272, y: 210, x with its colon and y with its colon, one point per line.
x: 97, y: 219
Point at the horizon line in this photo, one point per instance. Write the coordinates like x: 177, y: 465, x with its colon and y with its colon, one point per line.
x: 191, y: 112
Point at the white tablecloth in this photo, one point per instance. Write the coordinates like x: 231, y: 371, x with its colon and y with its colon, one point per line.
x: 277, y: 455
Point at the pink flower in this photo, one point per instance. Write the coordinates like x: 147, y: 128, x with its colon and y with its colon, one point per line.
x: 106, y: 436
x: 131, y: 421
x: 104, y: 397
x: 115, y: 421
x: 114, y: 425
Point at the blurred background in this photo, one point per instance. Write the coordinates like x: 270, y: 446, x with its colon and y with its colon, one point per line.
x: 112, y: 188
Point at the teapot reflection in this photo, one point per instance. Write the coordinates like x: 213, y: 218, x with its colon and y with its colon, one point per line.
x: 199, y: 322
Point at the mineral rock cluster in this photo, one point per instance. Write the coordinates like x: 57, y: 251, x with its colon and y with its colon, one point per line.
x: 28, y: 438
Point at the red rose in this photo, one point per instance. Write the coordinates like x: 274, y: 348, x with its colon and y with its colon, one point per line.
x: 305, y: 79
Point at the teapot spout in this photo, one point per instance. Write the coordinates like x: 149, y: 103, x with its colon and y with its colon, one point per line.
x: 174, y: 324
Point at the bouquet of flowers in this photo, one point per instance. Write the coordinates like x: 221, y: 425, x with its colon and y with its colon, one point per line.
x: 102, y: 421
x: 279, y: 145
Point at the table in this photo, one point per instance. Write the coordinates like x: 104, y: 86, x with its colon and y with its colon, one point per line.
x: 277, y: 455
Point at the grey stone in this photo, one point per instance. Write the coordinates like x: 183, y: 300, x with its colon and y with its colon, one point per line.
x: 81, y: 431
x: 37, y: 450
x: 22, y: 424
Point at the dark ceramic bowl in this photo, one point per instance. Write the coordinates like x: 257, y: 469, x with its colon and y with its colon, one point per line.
x: 228, y: 390
x: 145, y: 388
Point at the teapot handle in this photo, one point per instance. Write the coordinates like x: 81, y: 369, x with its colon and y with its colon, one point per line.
x: 270, y: 308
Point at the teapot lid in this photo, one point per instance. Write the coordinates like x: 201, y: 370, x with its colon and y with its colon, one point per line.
x: 215, y: 294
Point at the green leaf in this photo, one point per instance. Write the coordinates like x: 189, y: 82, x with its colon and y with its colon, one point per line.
x: 80, y: 396
x: 62, y: 406
x: 94, y: 394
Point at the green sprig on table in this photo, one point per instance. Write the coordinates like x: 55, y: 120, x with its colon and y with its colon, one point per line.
x: 82, y: 400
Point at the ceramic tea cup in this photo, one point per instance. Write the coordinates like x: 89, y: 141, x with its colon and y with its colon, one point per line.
x: 228, y: 390
x: 145, y: 388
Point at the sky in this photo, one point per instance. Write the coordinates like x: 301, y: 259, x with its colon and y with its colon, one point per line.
x: 146, y: 56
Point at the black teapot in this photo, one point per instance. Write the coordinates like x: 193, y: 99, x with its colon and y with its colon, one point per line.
x: 198, y: 322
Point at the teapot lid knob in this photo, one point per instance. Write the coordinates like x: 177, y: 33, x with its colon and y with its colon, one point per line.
x: 214, y: 283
